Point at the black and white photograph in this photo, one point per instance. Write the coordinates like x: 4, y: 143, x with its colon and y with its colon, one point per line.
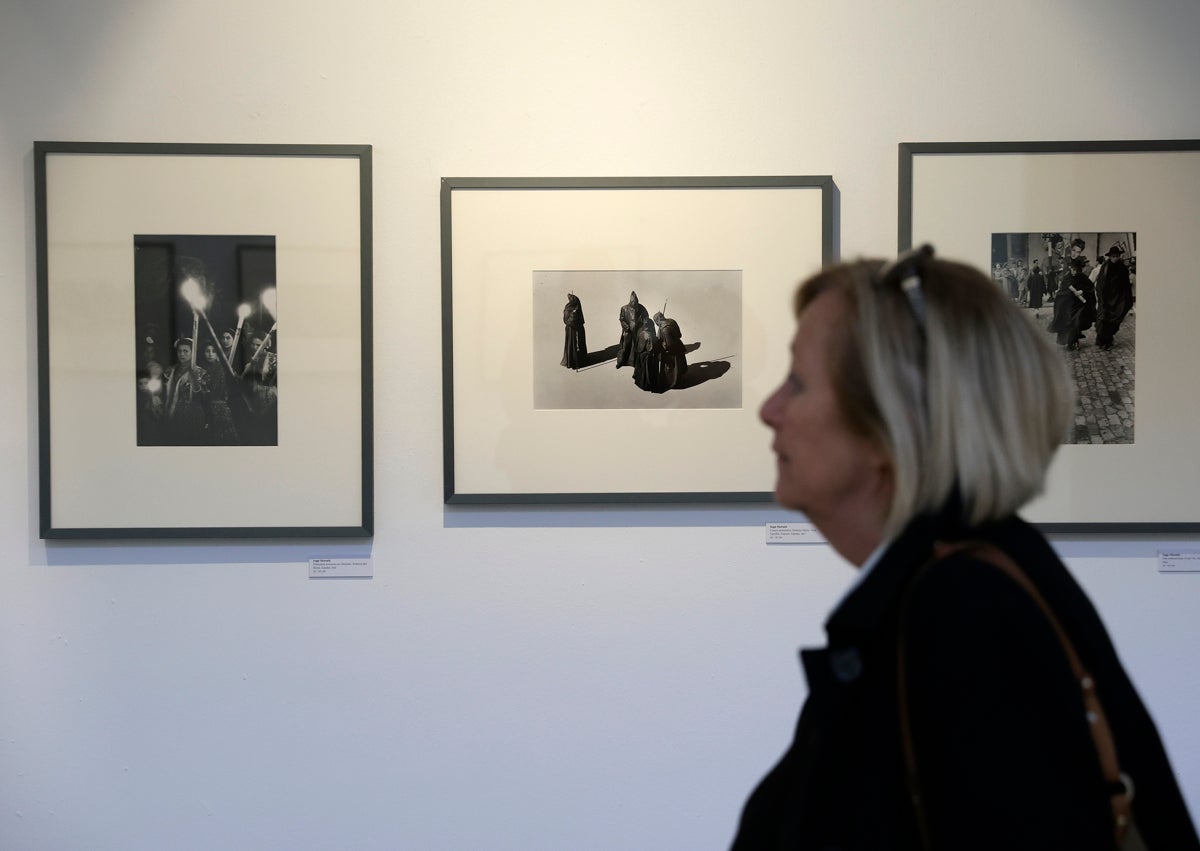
x: 164, y: 272
x: 207, y: 348
x: 637, y: 339
x: 1080, y: 287
x: 636, y: 316
x: 1137, y: 410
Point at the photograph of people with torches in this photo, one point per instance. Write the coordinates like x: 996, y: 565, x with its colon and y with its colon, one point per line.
x: 207, y: 348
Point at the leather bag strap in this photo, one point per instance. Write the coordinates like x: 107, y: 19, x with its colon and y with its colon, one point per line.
x: 1119, y: 784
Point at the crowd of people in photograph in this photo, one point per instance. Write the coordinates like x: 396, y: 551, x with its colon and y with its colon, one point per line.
x: 221, y: 393
x: 1080, y: 293
x: 653, y: 346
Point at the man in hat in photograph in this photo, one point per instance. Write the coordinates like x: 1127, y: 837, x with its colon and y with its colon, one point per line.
x: 1074, y: 306
x: 1036, y: 286
x: 1114, y: 296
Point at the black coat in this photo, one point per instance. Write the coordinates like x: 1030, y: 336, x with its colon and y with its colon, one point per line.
x: 1003, y: 751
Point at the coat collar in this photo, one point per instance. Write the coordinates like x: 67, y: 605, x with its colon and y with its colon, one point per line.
x: 866, y: 607
x: 869, y: 605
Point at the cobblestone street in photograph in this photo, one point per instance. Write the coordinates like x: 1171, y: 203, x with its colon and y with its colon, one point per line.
x: 1104, y: 382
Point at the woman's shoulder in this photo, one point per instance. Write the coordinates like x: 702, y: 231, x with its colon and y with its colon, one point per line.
x: 1005, y: 577
x: 968, y: 590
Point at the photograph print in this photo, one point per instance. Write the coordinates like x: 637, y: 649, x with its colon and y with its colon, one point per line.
x: 207, y: 347
x: 1081, y: 288
x: 637, y: 339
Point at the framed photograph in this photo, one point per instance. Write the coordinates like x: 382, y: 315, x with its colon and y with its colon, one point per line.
x: 1093, y: 240
x: 204, y: 340
x: 609, y: 340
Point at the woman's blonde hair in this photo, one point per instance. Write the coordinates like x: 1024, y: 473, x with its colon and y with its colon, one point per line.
x: 938, y: 367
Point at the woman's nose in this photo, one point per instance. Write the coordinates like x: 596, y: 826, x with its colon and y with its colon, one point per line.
x: 769, y: 412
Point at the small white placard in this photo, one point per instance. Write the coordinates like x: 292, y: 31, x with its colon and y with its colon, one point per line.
x: 320, y: 568
x: 793, y: 533
x: 1179, y: 561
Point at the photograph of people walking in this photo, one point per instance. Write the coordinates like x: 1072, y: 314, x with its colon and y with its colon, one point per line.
x: 1080, y: 288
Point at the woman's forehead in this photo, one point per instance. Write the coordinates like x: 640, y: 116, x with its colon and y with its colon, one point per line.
x: 821, y: 317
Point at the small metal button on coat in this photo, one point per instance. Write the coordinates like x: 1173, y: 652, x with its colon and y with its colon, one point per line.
x: 846, y: 664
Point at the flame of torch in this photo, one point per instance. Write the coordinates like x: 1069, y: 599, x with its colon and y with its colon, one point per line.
x: 194, y: 296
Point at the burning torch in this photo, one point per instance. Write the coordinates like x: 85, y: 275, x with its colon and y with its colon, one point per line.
x: 269, y: 302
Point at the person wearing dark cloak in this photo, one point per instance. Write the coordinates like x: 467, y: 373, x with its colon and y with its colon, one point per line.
x: 647, y: 358
x: 630, y: 317
x: 575, y: 339
x: 1114, y: 296
x: 674, y: 353
x: 1037, y: 286
x: 1074, y: 306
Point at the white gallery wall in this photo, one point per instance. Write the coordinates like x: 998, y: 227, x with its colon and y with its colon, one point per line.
x: 557, y: 678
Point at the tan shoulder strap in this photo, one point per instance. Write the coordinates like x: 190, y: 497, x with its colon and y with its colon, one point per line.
x: 1119, y: 784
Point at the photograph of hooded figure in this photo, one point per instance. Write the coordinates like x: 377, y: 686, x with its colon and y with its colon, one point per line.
x: 673, y: 357
x: 630, y: 319
x: 666, y: 369
x: 647, y: 358
x: 575, y: 353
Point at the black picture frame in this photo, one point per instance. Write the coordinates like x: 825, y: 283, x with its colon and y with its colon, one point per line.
x: 500, y: 234
x: 956, y: 195
x: 295, y: 222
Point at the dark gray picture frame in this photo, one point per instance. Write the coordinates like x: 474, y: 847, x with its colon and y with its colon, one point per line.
x: 956, y: 194
x: 257, y: 499
x: 615, y: 199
